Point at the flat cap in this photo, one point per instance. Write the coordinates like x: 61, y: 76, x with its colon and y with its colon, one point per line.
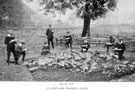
x: 10, y: 31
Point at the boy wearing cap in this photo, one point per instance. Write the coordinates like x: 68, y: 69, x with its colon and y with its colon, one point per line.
x: 122, y: 46
x: 21, y: 50
x: 68, y: 40
x: 10, y: 41
x: 45, y: 49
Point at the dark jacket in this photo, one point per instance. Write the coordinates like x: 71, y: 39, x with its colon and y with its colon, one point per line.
x: 20, y: 48
x: 85, y: 45
x: 49, y: 33
x: 68, y: 38
x: 46, y: 48
x: 8, y: 39
x: 122, y: 46
x: 112, y: 40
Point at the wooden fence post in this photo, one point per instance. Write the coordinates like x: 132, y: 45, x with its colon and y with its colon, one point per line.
x: 99, y: 43
x: 129, y: 43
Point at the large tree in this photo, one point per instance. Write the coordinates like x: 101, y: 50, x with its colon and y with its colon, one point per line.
x: 13, y: 13
x: 86, y: 9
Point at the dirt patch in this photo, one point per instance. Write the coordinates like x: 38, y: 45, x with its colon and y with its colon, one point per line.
x: 65, y: 75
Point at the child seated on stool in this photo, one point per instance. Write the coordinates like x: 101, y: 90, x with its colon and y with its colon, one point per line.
x: 21, y: 50
x: 85, y: 46
x: 45, y: 49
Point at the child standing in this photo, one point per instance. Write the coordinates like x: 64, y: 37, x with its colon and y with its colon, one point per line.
x: 68, y: 40
x: 10, y: 41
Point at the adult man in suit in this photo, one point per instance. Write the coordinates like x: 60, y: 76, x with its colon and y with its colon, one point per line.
x: 10, y: 41
x: 49, y: 34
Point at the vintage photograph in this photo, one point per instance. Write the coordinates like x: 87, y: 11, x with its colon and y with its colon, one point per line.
x: 67, y: 40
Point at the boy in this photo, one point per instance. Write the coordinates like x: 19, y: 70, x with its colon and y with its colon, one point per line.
x: 110, y: 43
x: 45, y: 49
x: 85, y: 46
x: 123, y: 48
x: 21, y: 50
x: 68, y: 40
x: 120, y: 48
x: 10, y: 41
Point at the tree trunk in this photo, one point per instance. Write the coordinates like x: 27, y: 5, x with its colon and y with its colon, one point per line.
x: 87, y: 19
x: 86, y: 26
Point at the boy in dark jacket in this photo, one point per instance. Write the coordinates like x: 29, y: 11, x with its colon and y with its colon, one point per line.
x: 10, y: 41
x: 45, y: 49
x: 68, y: 40
x: 122, y: 46
x: 85, y: 46
x: 21, y: 50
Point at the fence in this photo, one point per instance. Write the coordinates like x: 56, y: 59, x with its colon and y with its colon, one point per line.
x: 130, y: 44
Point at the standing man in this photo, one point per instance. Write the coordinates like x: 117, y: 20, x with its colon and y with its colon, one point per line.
x: 49, y: 34
x: 10, y: 41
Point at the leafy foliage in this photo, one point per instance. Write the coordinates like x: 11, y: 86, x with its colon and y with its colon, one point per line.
x: 93, y: 8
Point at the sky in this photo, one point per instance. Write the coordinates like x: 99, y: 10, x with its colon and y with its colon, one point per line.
x: 123, y: 14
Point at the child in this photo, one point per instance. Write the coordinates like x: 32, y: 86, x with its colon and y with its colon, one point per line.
x: 45, y: 49
x: 10, y: 41
x: 68, y: 40
x: 85, y: 46
x: 21, y: 50
x: 122, y: 46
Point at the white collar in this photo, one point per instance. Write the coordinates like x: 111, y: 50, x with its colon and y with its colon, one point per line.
x: 20, y: 44
x: 9, y: 35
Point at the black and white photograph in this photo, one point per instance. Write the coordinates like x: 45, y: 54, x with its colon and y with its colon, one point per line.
x: 67, y: 41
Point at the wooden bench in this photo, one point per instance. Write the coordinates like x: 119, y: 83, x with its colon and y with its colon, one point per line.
x: 91, y: 42
x: 59, y: 41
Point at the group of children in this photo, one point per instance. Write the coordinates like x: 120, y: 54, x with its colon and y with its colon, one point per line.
x: 17, y: 49
x: 68, y: 44
x: 119, y: 46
